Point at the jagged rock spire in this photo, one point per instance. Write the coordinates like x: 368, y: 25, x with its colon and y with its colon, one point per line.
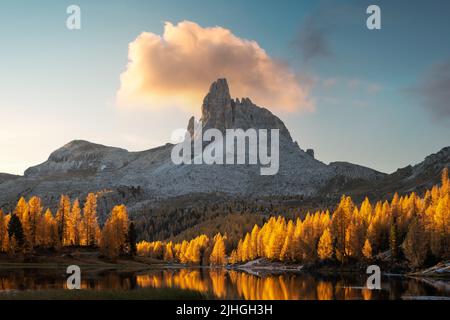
x: 218, y: 107
x: 221, y: 112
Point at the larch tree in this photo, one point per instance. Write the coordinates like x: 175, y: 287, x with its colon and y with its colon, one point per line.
x: 246, y: 248
x: 325, y: 247
x: 441, y: 228
x: 367, y: 250
x: 287, y: 249
x: 34, y: 217
x: 90, y: 224
x: 48, y: 231
x: 115, y: 233
x: 108, y: 244
x: 415, y: 246
x: 62, y: 217
x: 276, y: 240
x: 254, y: 243
x: 75, y: 224
x: 393, y: 228
x: 21, y: 208
x: 168, y: 252
x: 340, y: 222
x: 217, y: 257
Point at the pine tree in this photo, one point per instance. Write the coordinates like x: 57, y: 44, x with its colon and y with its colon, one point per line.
x: 15, y: 230
x: 132, y: 240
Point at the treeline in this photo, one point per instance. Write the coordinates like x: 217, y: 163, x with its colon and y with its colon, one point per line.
x: 29, y: 227
x: 198, y: 251
x: 176, y: 218
x: 234, y: 225
x: 410, y: 227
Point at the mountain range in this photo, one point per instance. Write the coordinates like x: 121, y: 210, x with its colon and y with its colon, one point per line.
x: 142, y: 178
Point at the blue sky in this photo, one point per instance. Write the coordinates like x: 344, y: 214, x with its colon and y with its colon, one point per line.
x: 380, y: 96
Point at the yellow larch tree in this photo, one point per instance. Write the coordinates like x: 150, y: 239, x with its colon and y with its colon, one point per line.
x: 217, y: 257
x: 168, y: 252
x: 246, y: 248
x: 325, y: 247
x: 287, y: 252
x: 34, y: 217
x: 253, y: 254
x: 62, y: 217
x: 90, y: 225
x: 75, y: 224
x: 21, y: 208
x: 415, y: 246
x: 367, y: 250
x: 47, y: 231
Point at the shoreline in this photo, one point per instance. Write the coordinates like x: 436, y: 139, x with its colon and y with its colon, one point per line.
x: 256, y: 270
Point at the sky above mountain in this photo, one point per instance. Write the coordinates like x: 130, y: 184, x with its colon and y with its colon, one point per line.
x: 137, y: 70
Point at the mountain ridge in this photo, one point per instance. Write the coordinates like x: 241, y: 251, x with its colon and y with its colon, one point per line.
x: 140, y: 178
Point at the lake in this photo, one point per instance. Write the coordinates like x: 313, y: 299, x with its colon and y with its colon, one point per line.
x: 231, y: 284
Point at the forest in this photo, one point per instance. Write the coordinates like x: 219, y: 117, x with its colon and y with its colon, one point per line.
x: 29, y: 227
x: 410, y: 228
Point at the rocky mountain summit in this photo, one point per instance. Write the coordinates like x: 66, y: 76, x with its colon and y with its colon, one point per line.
x: 140, y: 178
x: 222, y: 112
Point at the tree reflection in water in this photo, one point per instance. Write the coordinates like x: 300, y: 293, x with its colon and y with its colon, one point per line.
x: 225, y: 284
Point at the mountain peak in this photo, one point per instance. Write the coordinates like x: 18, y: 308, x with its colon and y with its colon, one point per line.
x: 219, y: 90
x: 221, y: 112
x: 217, y: 110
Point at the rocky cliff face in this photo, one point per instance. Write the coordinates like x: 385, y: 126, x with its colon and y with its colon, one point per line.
x: 5, y: 177
x: 140, y: 178
x: 82, y: 156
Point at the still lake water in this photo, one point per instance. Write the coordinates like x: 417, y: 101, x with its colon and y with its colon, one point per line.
x: 231, y: 284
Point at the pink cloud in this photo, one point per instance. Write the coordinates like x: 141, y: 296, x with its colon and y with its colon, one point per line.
x: 176, y: 69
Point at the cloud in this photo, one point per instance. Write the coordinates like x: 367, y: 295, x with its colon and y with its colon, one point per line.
x: 176, y: 69
x: 312, y: 41
x: 434, y: 90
